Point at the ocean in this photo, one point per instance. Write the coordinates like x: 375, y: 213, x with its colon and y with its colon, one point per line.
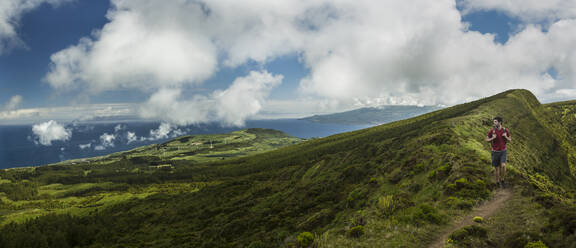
x: 20, y: 146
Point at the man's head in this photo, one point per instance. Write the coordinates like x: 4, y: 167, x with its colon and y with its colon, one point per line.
x: 497, y: 121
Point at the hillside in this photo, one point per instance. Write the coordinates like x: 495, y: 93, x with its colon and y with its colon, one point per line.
x: 394, y: 185
x: 565, y: 113
x: 379, y: 115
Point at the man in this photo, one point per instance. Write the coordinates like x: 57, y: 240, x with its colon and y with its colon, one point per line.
x: 499, y: 135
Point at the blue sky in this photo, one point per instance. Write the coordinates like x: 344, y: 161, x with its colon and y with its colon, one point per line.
x: 48, y: 29
x: 296, y: 69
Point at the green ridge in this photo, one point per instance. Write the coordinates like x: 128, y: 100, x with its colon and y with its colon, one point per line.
x: 394, y: 185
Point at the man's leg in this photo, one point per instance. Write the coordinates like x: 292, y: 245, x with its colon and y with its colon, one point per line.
x: 497, y: 175
x: 503, y: 172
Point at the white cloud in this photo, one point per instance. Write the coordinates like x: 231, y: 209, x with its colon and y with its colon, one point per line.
x: 357, y: 52
x: 243, y: 99
x: 106, y: 141
x: 10, y: 14
x: 162, y: 132
x: 527, y: 10
x: 13, y: 103
x: 85, y: 146
x: 146, y: 45
x: 131, y: 137
x: 85, y: 112
x: 50, y: 131
x: 119, y: 128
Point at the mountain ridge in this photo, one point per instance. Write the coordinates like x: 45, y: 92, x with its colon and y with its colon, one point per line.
x: 391, y: 185
x: 372, y: 115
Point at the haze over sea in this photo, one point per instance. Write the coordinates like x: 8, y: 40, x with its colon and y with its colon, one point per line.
x: 19, y: 147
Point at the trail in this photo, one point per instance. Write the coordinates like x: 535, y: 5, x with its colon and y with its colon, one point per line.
x: 485, y: 210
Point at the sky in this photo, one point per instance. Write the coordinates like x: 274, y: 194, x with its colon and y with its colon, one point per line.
x: 227, y: 61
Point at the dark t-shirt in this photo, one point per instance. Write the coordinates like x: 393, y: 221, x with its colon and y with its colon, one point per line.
x: 499, y: 144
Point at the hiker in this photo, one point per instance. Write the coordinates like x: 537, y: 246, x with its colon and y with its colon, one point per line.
x: 499, y: 135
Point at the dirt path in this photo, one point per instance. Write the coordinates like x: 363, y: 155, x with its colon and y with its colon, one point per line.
x: 485, y: 210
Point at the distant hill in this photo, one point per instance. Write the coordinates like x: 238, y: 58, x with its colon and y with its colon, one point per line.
x: 395, y: 185
x: 372, y: 115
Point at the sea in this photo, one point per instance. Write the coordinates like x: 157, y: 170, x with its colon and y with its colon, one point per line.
x: 21, y: 147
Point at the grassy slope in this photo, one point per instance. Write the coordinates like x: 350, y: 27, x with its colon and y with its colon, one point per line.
x: 84, y: 185
x: 398, y: 183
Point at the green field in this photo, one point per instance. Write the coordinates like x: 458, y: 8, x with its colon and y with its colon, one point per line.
x: 26, y: 193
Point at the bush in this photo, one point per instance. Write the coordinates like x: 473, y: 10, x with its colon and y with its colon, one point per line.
x: 426, y: 213
x: 458, y: 203
x: 359, y: 218
x: 389, y: 204
x: 373, y: 181
x: 521, y: 239
x: 305, y: 239
x: 357, y: 197
x: 466, y: 232
x: 478, y: 219
x: 257, y: 244
x: 467, y: 189
x: 355, y: 232
x: 538, y: 244
x: 20, y: 190
x: 386, y: 205
x: 440, y: 173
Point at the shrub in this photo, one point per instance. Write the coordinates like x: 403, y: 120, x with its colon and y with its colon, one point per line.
x: 466, y: 189
x: 257, y: 244
x: 426, y: 213
x: 538, y: 244
x: 305, y: 239
x: 440, y: 173
x: 355, y: 232
x: 458, y: 203
x: 420, y: 167
x: 385, y: 205
x: 389, y: 204
x: 520, y: 239
x: 373, y: 181
x: 473, y: 231
x: 20, y: 190
x: 414, y: 187
x: 357, y: 197
x: 461, y: 183
x: 478, y: 219
x: 359, y: 218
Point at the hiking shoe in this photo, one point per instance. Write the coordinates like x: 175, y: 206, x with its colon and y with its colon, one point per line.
x: 502, y: 184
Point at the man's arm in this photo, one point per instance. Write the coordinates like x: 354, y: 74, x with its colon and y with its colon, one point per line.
x: 506, y: 135
x: 488, y: 139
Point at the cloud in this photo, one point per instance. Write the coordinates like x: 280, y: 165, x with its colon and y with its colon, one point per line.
x: 243, y: 99
x: 119, y: 128
x: 146, y: 45
x: 50, y: 131
x: 356, y: 52
x: 13, y: 103
x: 85, y: 146
x: 85, y: 112
x: 10, y: 14
x: 106, y: 141
x: 131, y: 137
x: 162, y: 132
x: 533, y: 11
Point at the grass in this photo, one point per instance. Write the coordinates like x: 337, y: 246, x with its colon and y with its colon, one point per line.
x: 402, y: 182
